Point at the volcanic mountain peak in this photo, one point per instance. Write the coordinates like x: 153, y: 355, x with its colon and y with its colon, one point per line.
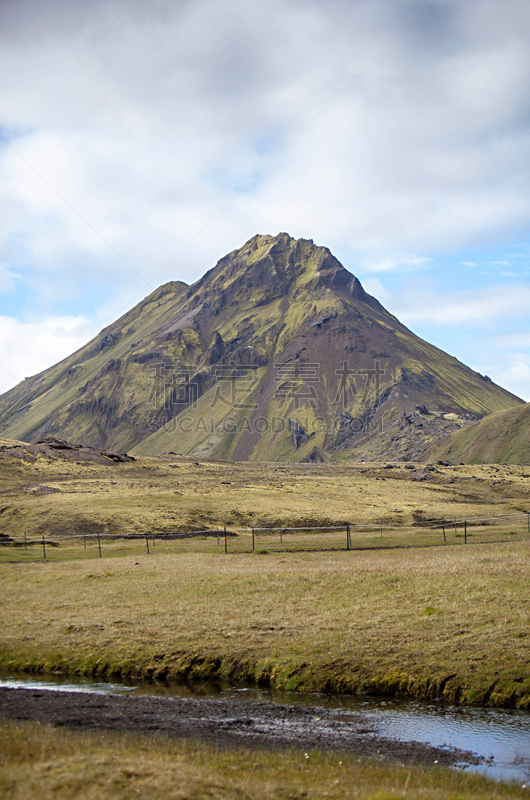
x: 276, y: 351
x: 276, y: 258
x: 262, y: 294
x: 274, y: 266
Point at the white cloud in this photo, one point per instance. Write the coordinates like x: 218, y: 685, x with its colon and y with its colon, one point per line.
x: 515, y: 374
x: 8, y: 279
x: 465, y: 321
x: 403, y: 264
x: 511, y: 340
x: 381, y: 266
x: 478, y: 308
x: 27, y: 348
x: 377, y: 156
x: 169, y: 133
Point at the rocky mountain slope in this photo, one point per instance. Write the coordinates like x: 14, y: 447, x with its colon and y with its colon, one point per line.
x: 277, y: 353
x: 500, y: 438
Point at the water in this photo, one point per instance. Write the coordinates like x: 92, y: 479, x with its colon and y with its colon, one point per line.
x: 500, y: 736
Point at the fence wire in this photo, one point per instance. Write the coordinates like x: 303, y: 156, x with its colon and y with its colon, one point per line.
x: 236, y: 539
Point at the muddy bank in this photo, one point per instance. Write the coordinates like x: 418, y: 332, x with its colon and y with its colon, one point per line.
x: 223, y: 722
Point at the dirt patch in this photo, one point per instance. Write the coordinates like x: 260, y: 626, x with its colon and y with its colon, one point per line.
x: 222, y: 722
x: 37, y: 489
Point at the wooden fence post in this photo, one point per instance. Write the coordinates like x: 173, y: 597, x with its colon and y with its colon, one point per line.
x: 43, y: 547
x: 465, y: 532
x: 147, y: 543
x: 226, y: 548
x: 252, y: 539
x: 99, y: 544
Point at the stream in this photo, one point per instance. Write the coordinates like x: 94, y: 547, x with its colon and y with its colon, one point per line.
x: 500, y: 736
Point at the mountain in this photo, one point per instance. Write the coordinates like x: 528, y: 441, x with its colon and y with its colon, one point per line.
x: 500, y: 438
x: 277, y: 353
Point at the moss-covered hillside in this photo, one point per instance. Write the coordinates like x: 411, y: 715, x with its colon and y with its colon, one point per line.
x: 500, y: 438
x: 277, y: 353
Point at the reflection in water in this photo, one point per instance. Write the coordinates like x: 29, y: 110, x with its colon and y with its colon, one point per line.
x: 501, y: 736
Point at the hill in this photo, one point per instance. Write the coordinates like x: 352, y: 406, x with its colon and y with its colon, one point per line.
x: 500, y: 438
x: 275, y: 354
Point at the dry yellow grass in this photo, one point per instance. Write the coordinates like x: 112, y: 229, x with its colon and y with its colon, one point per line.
x: 41, y: 763
x: 170, y: 493
x: 450, y: 622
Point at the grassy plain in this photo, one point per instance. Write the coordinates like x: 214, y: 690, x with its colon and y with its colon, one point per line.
x: 437, y: 621
x: 43, y: 763
x: 58, y: 497
x: 447, y: 622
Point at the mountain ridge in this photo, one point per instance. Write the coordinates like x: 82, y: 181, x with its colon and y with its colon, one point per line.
x: 275, y: 351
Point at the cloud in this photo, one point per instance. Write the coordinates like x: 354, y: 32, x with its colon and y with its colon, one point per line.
x: 28, y: 348
x: 463, y: 323
x: 403, y: 264
x: 515, y: 373
x: 141, y: 142
x: 479, y: 308
x: 8, y: 279
x: 148, y: 130
x: 518, y: 339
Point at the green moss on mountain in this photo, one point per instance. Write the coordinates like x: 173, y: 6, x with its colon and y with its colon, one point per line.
x: 277, y: 333
x: 500, y: 438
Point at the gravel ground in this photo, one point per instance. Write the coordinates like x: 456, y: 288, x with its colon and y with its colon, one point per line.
x: 222, y: 722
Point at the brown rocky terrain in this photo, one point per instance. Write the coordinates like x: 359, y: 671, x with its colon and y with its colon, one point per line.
x: 58, y: 448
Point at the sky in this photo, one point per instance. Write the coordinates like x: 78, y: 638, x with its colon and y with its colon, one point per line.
x: 140, y: 142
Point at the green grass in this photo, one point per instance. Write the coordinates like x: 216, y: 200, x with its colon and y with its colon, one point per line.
x: 446, y: 622
x: 43, y: 763
x: 63, y: 547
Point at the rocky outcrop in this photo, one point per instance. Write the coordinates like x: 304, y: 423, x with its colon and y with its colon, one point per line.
x: 313, y: 457
x: 298, y: 434
x: 58, y: 448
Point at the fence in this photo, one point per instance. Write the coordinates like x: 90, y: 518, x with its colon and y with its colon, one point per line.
x: 476, y: 530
